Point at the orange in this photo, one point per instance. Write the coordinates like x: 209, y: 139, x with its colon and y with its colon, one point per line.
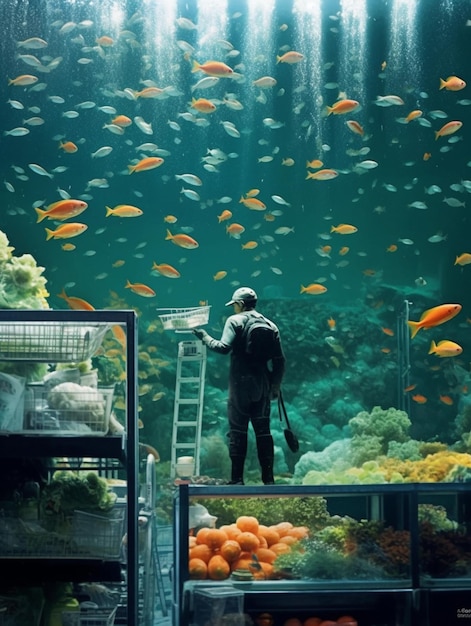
x: 293, y: 621
x: 191, y: 542
x: 201, y: 551
x: 265, y: 555
x: 230, y: 550
x: 312, y: 621
x: 197, y: 569
x: 269, y: 533
x: 248, y: 541
x: 215, y: 538
x: 347, y: 620
x: 231, y: 530
x: 280, y: 548
x: 328, y: 622
x: 247, y: 523
x: 288, y: 540
x: 283, y: 527
x: 242, y: 564
x: 202, y: 534
x: 218, y: 568
x: 263, y: 541
x: 300, y: 532
x: 264, y: 573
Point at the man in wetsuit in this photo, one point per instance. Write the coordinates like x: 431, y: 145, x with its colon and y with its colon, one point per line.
x: 252, y: 384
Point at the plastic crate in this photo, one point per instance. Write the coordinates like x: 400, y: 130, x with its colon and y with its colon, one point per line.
x: 184, y: 319
x: 50, y: 342
x: 84, y: 411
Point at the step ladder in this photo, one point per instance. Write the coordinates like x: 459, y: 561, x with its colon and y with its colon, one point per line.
x: 188, y: 407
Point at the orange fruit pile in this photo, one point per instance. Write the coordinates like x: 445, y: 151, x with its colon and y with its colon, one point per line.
x: 244, y: 545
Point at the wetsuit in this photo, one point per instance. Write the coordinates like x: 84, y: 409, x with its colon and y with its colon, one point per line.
x: 252, y: 384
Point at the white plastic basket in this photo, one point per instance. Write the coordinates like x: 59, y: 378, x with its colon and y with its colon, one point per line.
x: 181, y: 320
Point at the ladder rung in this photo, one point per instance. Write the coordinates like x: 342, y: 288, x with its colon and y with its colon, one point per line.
x: 188, y: 401
x: 185, y: 446
x: 189, y: 379
x: 180, y: 424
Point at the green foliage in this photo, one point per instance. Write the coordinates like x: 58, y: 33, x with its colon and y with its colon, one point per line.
x: 311, y: 512
x: 436, y: 516
x: 387, y: 424
x: 406, y: 451
x: 214, y: 459
x: 365, y: 448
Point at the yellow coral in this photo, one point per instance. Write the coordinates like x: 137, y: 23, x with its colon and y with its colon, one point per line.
x: 434, y: 468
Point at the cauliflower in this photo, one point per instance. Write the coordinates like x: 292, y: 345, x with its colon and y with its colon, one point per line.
x: 79, y: 403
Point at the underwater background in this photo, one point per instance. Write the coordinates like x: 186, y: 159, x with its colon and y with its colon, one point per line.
x: 374, y: 237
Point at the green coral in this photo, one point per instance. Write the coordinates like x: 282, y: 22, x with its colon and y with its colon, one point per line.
x: 436, y: 516
x: 373, y: 432
x: 22, y: 285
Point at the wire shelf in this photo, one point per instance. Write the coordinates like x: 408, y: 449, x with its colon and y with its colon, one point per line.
x: 184, y: 318
x: 52, y: 342
x: 89, y: 617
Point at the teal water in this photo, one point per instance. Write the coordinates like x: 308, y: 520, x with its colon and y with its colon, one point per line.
x: 350, y: 49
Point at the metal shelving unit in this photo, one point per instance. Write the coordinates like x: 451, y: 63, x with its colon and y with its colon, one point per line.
x: 123, y: 448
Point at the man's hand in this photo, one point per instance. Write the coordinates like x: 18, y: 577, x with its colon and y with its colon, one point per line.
x: 200, y: 333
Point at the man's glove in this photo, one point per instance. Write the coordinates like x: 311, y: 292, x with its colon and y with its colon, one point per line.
x: 200, y: 333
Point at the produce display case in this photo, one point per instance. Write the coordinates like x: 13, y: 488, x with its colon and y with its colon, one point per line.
x: 378, y: 576
x: 90, y: 546
x: 371, y: 583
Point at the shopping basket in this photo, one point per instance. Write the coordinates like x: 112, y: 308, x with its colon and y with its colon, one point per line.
x: 184, y: 319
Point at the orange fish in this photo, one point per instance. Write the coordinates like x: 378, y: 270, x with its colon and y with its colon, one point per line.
x: 75, y: 303
x: 448, y: 129
x: 235, y: 230
x: 344, y: 250
x: 331, y: 323
x: 23, y: 80
x: 213, y: 68
x: 388, y: 331
x: 170, y: 219
x: 392, y: 248
x: 141, y: 289
x: 119, y: 335
x: 150, y: 92
x: 225, y: 215
x: 166, y: 270
x: 452, y: 83
x: 147, y: 163
x: 427, y: 156
x: 182, y: 240
x: 315, y: 164
x: 124, y: 210
x: 463, y: 259
x: 419, y: 398
x: 342, y: 106
x: 68, y: 247
x: 434, y: 317
x: 445, y: 348
x: 413, y: 115
x: 122, y: 120
x: 253, y: 203
x: 104, y: 41
x: 118, y: 263
x: 252, y: 193
x: 446, y: 400
x: 65, y: 231
x: 326, y: 174
x: 203, y: 105
x: 314, y: 289
x: 386, y: 350
x: 344, y: 229
x: 220, y: 275
x: 369, y: 272
x: 269, y: 217
x: 355, y: 127
x: 290, y: 57
x: 68, y: 146
x: 250, y: 245
x: 410, y: 388
x: 61, y: 210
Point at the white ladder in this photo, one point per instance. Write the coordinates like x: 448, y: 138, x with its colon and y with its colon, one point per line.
x: 188, y: 407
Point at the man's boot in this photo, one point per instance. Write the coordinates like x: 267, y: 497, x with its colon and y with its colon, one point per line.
x: 266, y: 455
x: 237, y: 471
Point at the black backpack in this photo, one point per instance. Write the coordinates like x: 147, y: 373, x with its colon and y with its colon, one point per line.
x: 260, y: 338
